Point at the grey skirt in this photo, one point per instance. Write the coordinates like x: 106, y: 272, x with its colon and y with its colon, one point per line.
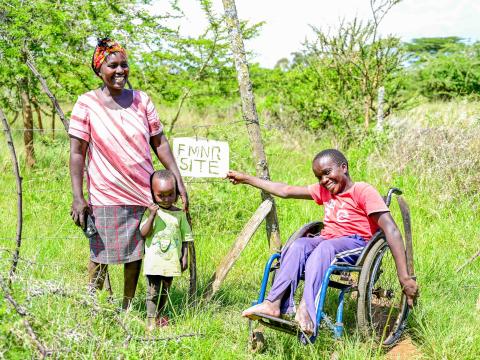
x: 118, y: 240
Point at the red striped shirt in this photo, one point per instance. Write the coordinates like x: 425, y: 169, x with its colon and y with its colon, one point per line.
x: 119, y: 161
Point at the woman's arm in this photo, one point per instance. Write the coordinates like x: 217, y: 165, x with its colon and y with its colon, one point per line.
x: 395, y: 242
x: 162, y: 149
x: 78, y: 150
x: 275, y: 188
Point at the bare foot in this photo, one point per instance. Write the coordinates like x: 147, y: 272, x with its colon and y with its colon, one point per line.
x: 303, y: 319
x: 266, y: 307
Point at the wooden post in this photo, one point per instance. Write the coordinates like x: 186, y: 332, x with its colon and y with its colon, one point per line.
x: 237, y: 248
x: 381, y: 94
x: 251, y: 117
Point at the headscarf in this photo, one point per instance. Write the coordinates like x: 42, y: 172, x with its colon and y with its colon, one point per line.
x: 105, y: 47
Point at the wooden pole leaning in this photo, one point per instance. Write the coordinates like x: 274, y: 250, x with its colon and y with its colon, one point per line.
x: 251, y: 117
x: 238, y: 246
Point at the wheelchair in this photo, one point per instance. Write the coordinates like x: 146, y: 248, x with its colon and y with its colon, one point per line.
x: 369, y: 276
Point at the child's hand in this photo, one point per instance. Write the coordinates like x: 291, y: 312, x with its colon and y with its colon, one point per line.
x: 184, y: 260
x: 236, y: 177
x: 153, y: 209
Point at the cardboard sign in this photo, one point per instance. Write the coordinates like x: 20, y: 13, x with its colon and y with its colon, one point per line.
x: 201, y: 158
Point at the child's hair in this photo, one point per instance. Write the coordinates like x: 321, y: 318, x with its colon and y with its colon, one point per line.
x: 337, y: 157
x: 163, y: 175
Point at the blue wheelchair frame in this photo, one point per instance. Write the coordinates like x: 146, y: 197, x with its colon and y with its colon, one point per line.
x: 336, y: 327
x: 340, y: 266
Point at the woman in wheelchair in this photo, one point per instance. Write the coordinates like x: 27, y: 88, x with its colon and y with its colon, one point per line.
x: 353, y: 212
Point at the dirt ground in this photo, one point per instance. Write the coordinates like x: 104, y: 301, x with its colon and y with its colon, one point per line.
x: 404, y: 350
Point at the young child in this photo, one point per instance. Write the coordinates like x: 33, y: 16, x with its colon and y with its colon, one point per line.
x: 353, y: 212
x: 166, y: 232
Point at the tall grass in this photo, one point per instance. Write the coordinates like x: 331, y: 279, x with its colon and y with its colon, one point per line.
x: 445, y: 223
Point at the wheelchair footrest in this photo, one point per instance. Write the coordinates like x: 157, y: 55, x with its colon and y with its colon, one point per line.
x: 289, y: 327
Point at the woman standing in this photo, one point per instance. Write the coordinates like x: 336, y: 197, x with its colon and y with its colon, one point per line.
x: 114, y: 128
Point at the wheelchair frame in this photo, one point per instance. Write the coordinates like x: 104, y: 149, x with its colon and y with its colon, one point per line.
x: 337, y: 327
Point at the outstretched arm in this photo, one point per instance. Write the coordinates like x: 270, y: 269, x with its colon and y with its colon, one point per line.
x: 162, y: 149
x: 395, y: 242
x: 275, y: 188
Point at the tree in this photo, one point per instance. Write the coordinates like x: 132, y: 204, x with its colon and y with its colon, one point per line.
x: 431, y: 45
x: 57, y: 35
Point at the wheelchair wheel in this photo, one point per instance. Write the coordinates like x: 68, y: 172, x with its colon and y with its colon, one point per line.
x: 382, y: 308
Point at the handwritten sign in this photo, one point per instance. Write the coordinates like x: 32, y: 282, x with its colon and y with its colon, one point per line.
x: 201, y: 158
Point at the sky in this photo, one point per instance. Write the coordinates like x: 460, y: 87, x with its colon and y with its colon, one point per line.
x: 287, y: 22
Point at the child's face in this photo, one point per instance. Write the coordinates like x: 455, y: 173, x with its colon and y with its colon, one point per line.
x: 331, y: 176
x: 164, y: 192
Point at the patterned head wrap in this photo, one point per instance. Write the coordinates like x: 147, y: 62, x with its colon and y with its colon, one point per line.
x: 105, y: 47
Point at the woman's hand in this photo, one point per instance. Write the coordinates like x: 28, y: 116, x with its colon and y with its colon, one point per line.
x: 78, y: 211
x: 236, y: 177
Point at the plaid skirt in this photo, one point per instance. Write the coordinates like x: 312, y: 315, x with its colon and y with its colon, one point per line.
x: 118, y: 240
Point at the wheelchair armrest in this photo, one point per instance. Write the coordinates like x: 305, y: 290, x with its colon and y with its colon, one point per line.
x: 391, y: 191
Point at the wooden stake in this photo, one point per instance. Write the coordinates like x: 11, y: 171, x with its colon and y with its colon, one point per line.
x: 240, y: 243
x: 251, y: 117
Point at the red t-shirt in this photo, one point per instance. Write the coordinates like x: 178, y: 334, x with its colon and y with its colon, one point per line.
x: 347, y: 213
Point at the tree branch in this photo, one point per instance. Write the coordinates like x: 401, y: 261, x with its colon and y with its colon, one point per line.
x: 18, y: 178
x: 32, y: 67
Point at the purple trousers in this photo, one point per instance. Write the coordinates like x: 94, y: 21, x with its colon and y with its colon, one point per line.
x: 312, y: 255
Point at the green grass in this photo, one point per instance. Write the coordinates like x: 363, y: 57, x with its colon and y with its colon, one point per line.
x: 445, y: 224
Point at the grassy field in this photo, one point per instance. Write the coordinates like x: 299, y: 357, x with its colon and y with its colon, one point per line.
x: 431, y: 152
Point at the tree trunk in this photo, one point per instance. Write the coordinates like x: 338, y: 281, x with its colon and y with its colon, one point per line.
x: 28, y: 128
x: 39, y: 115
x: 250, y: 116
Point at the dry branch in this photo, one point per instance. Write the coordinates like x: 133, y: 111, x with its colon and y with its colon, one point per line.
x: 237, y: 248
x: 18, y: 178
x: 44, y: 352
x: 469, y: 261
x: 52, y: 97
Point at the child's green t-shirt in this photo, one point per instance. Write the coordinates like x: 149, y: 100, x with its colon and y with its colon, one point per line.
x: 163, y: 247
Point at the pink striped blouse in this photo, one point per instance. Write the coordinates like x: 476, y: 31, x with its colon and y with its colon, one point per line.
x: 119, y: 162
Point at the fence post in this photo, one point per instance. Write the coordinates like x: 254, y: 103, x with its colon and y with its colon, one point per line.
x: 250, y: 116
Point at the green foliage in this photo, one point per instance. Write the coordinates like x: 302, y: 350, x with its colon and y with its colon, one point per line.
x: 335, y: 80
x: 445, y: 222
x: 432, y: 45
x: 450, y: 71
